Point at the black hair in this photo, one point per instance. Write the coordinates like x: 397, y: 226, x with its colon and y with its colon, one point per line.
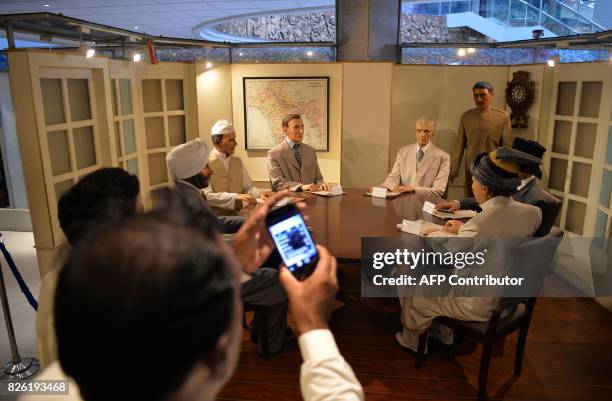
x: 483, y: 85
x: 106, y: 196
x: 155, y: 290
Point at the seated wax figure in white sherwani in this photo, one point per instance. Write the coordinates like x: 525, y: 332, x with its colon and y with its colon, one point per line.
x: 495, y: 180
x: 421, y: 167
x: 230, y: 185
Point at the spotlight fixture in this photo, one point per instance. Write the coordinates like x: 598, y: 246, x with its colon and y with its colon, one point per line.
x: 90, y: 53
x: 309, y: 53
x: 553, y: 61
x: 461, y: 53
x: 46, y: 5
x: 471, y: 50
x: 208, y: 65
x: 241, y: 54
x: 137, y: 57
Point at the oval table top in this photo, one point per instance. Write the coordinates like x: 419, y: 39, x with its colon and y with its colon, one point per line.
x: 340, y: 222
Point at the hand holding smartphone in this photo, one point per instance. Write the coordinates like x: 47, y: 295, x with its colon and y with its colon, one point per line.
x: 293, y: 241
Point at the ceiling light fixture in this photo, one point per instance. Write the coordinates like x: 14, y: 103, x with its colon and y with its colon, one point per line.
x: 208, y: 65
x: 309, y: 53
x: 135, y: 26
x: 461, y: 52
x: 471, y: 50
x: 46, y: 5
x: 137, y: 57
x: 553, y: 61
x: 90, y: 53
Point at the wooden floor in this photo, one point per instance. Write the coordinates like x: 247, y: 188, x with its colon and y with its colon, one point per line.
x: 568, y: 357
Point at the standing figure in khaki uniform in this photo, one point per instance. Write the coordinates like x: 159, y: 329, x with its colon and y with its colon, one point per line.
x: 292, y: 164
x: 482, y: 129
x: 231, y: 186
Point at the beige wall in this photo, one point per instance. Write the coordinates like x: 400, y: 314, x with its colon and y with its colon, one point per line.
x: 214, y: 97
x: 366, y: 123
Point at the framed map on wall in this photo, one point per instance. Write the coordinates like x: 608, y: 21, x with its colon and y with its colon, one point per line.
x: 268, y: 100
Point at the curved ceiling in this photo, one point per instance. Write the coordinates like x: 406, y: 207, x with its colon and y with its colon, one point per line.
x: 172, y: 18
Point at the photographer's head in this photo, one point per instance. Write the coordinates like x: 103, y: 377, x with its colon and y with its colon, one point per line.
x: 106, y: 196
x: 149, y: 309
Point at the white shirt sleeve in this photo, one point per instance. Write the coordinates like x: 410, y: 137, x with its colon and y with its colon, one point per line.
x: 222, y: 200
x: 325, y: 375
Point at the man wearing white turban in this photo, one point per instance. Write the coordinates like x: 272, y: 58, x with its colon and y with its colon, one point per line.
x: 188, y: 167
x: 231, y: 185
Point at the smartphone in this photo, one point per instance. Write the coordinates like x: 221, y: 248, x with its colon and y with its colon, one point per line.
x: 293, y: 241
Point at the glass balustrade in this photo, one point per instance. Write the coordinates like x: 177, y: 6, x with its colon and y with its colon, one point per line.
x: 562, y: 17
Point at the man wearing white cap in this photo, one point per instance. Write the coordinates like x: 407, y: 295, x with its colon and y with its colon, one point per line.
x: 188, y: 167
x: 231, y: 185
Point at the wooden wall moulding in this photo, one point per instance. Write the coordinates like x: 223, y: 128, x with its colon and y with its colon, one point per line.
x: 520, y: 93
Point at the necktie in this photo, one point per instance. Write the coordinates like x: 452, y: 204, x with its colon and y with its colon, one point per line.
x: 298, y: 154
x: 420, y: 155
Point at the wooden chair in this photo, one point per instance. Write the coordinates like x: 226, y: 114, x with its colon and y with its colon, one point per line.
x: 509, y: 314
x: 262, y: 326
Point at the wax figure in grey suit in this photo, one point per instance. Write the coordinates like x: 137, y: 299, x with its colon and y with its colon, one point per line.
x: 495, y: 178
x: 528, y: 191
x: 292, y: 164
x: 188, y: 166
x: 420, y: 167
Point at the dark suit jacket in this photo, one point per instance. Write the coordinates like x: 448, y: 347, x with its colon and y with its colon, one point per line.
x: 531, y: 194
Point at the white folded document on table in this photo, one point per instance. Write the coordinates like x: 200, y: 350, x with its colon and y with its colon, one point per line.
x: 415, y: 226
x: 380, y: 192
x: 334, y: 190
x: 430, y: 208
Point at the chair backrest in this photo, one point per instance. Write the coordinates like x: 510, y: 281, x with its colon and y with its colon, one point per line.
x: 532, y: 260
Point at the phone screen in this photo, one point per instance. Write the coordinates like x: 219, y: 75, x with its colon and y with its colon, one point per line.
x: 293, y: 241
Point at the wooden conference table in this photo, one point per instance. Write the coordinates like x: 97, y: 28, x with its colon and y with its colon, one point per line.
x: 339, y: 222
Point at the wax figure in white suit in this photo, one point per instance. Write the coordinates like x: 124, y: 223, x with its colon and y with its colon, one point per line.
x: 495, y: 179
x: 420, y: 167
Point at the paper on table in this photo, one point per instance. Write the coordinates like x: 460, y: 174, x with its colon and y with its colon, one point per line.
x: 429, y: 207
x: 335, y: 190
x: 379, y: 192
x: 389, y: 194
x: 415, y: 226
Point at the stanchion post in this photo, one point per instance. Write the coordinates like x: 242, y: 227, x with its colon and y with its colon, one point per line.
x: 17, y: 368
